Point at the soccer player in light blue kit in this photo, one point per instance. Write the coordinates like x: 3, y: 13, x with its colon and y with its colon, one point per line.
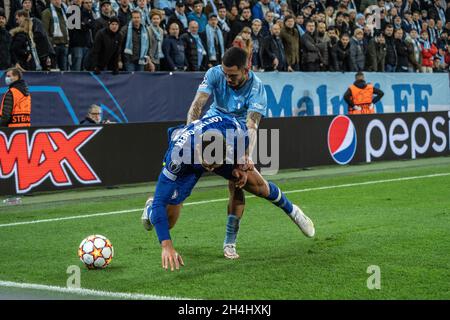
x: 239, y: 93
x: 184, y: 164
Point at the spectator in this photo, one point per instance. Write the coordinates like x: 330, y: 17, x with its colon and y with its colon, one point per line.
x: 404, y: 51
x: 245, y: 20
x: 432, y: 31
x: 94, y: 116
x: 341, y: 54
x: 416, y: 52
x: 124, y: 13
x: 173, y: 48
x: 267, y: 23
x: 198, y: 16
x: 15, y: 107
x: 5, y: 43
x: 417, y: 22
x: 179, y: 17
x: 257, y: 40
x: 300, y: 25
x: 44, y: 47
x: 80, y: 40
x: 10, y: 7
x: 376, y: 54
x: 340, y: 24
x: 244, y: 41
x: 323, y: 43
x: 311, y: 57
x: 213, y: 41
x: 366, y: 3
x: 55, y: 24
x: 105, y: 54
x: 106, y: 13
x: 436, y: 11
x: 156, y: 34
x: 438, y: 66
x: 34, y: 9
x: 224, y: 21
x: 391, y: 54
x: 272, y: 52
x: 428, y: 52
x: 142, y: 7
x: 291, y: 42
x: 261, y: 8
x: 194, y: 50
x: 23, y: 48
x: 136, y: 43
x: 357, y: 51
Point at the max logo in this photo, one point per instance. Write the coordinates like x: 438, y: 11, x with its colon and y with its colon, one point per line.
x: 48, y: 155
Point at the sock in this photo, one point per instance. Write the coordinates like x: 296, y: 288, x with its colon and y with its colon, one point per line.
x: 232, y: 229
x: 279, y: 199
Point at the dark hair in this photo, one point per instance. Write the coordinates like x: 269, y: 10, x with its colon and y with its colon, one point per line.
x: 22, y: 13
x: 235, y: 56
x: 136, y: 11
x: 359, y: 74
x: 288, y: 17
x: 388, y: 26
x: 16, y: 72
x: 345, y: 35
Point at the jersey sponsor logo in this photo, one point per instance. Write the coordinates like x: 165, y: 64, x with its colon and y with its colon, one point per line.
x: 342, y: 139
x: 48, y: 154
x: 204, y: 83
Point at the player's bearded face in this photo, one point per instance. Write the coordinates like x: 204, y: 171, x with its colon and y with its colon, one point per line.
x: 235, y: 77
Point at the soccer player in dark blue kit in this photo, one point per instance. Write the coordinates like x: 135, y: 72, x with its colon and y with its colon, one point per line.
x: 185, y: 162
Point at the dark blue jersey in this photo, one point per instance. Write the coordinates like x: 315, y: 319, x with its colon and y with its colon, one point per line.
x: 182, y: 169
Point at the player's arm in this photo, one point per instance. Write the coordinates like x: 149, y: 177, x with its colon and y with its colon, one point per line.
x: 197, y: 106
x: 160, y: 221
x: 253, y: 120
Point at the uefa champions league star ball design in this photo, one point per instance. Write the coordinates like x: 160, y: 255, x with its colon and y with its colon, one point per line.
x: 96, y: 252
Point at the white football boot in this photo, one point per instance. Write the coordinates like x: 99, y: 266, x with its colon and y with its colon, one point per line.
x: 302, y: 221
x: 229, y: 251
x: 145, y: 219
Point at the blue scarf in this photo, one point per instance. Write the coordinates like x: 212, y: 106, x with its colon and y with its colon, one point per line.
x: 57, y: 32
x: 200, y: 49
x: 425, y: 44
x: 145, y: 15
x: 183, y: 19
x: 210, y: 41
x: 159, y: 39
x: 144, y: 42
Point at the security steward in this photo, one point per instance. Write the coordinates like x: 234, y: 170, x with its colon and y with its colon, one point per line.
x: 360, y: 96
x: 15, y: 107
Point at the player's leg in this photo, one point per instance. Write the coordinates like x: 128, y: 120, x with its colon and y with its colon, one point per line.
x: 173, y: 213
x: 258, y: 186
x: 236, y: 205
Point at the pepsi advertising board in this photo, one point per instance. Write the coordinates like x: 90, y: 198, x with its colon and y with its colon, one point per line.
x: 42, y: 159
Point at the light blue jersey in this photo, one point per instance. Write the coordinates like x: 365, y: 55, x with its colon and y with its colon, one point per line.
x: 235, y: 103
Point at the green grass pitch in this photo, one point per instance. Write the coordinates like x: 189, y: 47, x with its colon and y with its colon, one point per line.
x: 400, y: 225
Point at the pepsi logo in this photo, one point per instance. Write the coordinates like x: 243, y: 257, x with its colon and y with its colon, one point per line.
x: 342, y: 139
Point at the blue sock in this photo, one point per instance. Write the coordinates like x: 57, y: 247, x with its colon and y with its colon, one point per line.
x: 279, y: 199
x: 232, y: 229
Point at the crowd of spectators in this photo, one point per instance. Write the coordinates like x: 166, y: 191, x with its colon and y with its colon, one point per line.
x: 192, y: 35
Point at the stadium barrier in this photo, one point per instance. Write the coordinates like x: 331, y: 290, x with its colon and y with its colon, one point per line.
x: 53, y: 158
x: 63, y: 98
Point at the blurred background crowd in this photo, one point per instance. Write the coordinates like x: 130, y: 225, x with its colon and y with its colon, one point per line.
x: 192, y: 35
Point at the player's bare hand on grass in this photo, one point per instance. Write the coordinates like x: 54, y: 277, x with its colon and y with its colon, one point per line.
x: 169, y: 257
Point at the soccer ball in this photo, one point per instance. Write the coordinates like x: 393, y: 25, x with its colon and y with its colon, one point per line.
x: 96, y: 252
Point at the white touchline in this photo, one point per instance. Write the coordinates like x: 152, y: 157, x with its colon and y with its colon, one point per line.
x: 88, y: 292
x: 347, y: 185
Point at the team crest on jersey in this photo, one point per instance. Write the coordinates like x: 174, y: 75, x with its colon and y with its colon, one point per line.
x: 174, y: 166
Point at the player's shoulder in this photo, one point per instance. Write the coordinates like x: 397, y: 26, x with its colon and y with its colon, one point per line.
x: 257, y: 82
